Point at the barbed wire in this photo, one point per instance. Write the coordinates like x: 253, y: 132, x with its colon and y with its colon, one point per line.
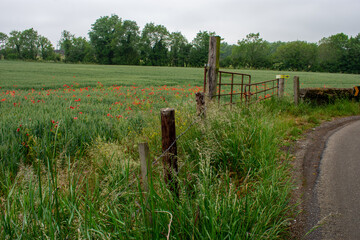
x: 196, y: 120
x: 180, y: 135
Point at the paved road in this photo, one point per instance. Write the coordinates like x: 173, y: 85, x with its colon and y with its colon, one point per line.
x: 338, y: 185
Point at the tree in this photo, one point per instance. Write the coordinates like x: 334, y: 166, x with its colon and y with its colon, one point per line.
x: 272, y: 51
x: 296, y: 56
x: 200, y: 48
x: 46, y: 49
x: 154, y: 44
x: 179, y: 50
x: 332, y: 51
x: 76, y: 49
x: 81, y: 51
x: 23, y: 45
x: 252, y: 52
x: 102, y: 37
x: 29, y: 39
x: 126, y: 43
x: 353, y: 55
x: 225, y: 54
x: 66, y: 43
x: 14, y: 45
x: 3, y: 41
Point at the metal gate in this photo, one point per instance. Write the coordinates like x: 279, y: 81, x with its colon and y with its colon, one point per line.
x: 235, y: 88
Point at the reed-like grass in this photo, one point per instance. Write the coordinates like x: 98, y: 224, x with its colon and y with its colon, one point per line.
x: 70, y: 165
x: 231, y: 187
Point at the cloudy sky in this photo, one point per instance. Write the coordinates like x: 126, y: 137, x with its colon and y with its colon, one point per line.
x: 284, y: 20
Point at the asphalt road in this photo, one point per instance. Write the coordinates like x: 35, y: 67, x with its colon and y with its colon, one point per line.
x: 338, y: 185
x: 326, y: 171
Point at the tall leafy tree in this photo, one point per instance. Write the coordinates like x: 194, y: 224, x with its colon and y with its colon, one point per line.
x: 15, y: 44
x: 200, y: 50
x: 29, y: 39
x: 23, y: 45
x: 272, y: 51
x: 81, y: 51
x: 179, y: 50
x: 297, y: 56
x: 66, y: 43
x: 154, y: 44
x: 126, y: 44
x: 184, y: 55
x: 252, y: 52
x: 102, y: 36
x: 225, y: 54
x: 3, y: 41
x: 353, y: 55
x: 76, y: 49
x: 332, y: 52
x: 46, y: 49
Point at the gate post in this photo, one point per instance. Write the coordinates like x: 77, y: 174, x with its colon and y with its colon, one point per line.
x: 213, y: 66
x: 296, y: 90
x: 170, y: 162
x: 281, y: 85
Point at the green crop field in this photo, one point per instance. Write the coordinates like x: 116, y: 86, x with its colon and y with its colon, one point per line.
x: 27, y: 75
x: 69, y: 167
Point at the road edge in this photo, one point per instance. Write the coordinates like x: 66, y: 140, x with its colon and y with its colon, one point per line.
x: 307, y: 154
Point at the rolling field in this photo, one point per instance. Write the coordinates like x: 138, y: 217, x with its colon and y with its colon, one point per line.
x: 69, y: 158
x: 27, y: 75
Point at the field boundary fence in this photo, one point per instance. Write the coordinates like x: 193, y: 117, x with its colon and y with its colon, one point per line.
x: 169, y: 153
x: 228, y: 88
x: 234, y: 88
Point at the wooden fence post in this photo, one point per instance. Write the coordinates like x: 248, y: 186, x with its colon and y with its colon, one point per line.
x: 213, y: 67
x: 200, y: 104
x: 296, y: 90
x: 170, y: 163
x: 145, y: 165
x: 146, y: 173
x: 281, y: 87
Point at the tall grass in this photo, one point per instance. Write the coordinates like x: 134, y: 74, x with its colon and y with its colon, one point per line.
x: 70, y: 170
x: 234, y: 183
x: 232, y: 186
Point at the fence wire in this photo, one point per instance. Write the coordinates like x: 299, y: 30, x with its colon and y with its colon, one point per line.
x: 195, y: 121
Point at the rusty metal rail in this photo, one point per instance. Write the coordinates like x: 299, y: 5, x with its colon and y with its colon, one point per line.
x: 263, y: 90
x: 237, y: 88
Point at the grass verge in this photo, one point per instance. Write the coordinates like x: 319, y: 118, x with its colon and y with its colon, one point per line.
x: 235, y: 181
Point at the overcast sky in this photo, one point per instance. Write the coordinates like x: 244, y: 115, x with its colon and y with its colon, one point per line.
x: 275, y: 20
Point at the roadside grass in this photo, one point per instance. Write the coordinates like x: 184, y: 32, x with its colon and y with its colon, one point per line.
x: 234, y: 182
x: 70, y: 169
x: 228, y: 188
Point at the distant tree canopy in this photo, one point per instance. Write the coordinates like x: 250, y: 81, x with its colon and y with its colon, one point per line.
x: 113, y: 40
x: 27, y: 44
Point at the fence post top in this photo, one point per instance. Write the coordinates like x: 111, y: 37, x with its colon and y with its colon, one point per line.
x: 282, y: 76
x: 167, y: 110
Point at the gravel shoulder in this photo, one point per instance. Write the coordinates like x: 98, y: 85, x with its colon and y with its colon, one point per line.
x: 306, y: 171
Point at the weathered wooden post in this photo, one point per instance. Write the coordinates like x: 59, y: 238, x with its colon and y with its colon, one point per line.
x: 296, y: 90
x: 200, y: 104
x: 146, y: 172
x: 281, y: 85
x: 213, y: 67
x: 145, y: 165
x: 170, y: 163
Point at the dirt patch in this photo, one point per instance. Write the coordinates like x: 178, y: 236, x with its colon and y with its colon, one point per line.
x: 308, y: 153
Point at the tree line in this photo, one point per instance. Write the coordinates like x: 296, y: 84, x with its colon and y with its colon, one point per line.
x: 113, y: 40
